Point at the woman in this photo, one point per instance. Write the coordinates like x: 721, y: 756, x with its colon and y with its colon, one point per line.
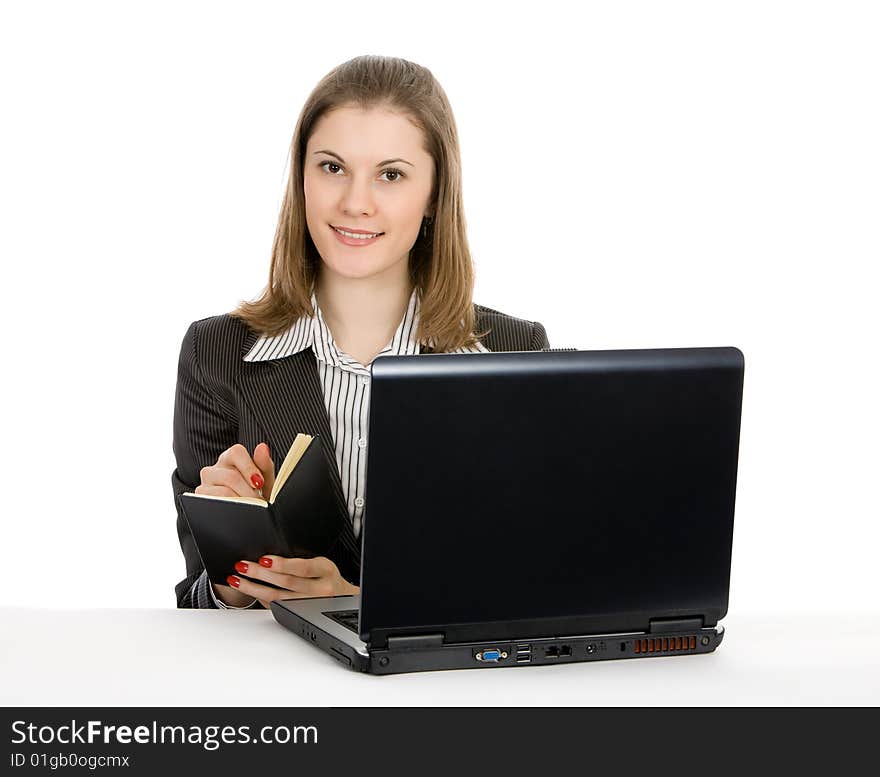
x: 370, y: 257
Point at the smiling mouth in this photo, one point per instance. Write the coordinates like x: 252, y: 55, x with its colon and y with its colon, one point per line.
x: 355, y: 235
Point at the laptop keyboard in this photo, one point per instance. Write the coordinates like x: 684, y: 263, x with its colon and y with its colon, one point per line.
x: 347, y: 618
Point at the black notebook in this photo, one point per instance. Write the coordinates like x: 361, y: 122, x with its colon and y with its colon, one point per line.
x: 301, y: 518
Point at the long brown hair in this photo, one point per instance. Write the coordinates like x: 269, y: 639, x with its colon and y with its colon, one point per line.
x: 440, y: 264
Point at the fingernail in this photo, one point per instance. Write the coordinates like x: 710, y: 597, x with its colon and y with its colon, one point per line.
x: 257, y: 480
x: 233, y: 581
x: 241, y: 567
x: 265, y: 561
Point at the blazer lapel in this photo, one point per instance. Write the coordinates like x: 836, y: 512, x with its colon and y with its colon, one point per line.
x: 285, y: 395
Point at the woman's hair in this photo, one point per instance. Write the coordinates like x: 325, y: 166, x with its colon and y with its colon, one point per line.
x: 440, y: 264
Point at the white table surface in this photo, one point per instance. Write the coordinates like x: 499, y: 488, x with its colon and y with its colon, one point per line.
x: 168, y: 657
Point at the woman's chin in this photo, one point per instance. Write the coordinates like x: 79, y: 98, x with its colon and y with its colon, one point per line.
x: 353, y: 273
x: 357, y: 270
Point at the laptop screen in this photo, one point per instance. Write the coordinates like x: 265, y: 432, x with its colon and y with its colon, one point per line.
x: 592, y: 487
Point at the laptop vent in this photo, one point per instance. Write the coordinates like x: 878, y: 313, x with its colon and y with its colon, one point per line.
x: 665, y: 644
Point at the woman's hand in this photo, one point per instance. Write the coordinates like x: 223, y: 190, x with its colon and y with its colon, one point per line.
x: 301, y: 578
x: 237, y: 474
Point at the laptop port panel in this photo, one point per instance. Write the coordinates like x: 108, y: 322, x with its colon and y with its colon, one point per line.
x: 543, y: 652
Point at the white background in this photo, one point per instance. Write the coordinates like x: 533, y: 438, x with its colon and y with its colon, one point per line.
x: 636, y: 174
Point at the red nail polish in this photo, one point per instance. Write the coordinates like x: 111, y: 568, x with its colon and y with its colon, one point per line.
x: 233, y: 581
x: 265, y: 562
x: 257, y: 480
x: 241, y: 567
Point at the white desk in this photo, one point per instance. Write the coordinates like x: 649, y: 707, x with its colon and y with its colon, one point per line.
x: 172, y: 657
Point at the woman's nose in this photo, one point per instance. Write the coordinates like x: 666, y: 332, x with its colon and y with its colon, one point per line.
x: 358, y: 197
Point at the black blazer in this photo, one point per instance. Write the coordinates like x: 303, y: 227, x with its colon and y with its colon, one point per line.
x: 222, y: 400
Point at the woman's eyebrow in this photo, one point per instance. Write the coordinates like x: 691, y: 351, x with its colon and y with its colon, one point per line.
x: 383, y: 162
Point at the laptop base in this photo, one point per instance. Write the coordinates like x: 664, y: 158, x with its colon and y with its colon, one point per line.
x: 427, y: 653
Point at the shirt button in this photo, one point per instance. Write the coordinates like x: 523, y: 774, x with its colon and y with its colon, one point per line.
x: 365, y: 381
x: 362, y: 443
x: 359, y: 502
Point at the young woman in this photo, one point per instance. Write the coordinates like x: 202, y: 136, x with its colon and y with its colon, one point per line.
x: 370, y: 257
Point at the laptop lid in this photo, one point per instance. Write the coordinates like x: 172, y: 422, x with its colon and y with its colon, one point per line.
x: 518, y: 494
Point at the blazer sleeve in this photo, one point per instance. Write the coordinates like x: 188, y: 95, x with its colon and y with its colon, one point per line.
x: 539, y: 337
x: 202, y: 431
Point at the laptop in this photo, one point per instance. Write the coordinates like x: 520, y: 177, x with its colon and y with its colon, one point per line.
x: 540, y: 507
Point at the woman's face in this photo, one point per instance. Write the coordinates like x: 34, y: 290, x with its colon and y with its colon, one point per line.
x: 350, y: 183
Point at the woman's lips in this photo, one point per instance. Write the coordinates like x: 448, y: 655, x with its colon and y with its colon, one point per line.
x: 355, y: 242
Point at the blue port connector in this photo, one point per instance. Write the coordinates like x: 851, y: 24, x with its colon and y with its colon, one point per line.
x: 491, y: 655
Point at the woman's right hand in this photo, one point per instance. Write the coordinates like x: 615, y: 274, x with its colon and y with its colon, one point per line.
x: 237, y: 474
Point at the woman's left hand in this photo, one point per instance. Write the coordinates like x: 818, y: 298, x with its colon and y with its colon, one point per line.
x: 301, y: 578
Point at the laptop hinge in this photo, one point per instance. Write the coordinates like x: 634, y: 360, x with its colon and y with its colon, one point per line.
x: 414, y: 641
x: 656, y: 625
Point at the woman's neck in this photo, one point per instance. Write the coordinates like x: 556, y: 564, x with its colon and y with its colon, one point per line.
x: 362, y: 314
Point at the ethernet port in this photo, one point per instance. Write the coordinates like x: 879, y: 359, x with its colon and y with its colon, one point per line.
x: 552, y: 651
x: 565, y: 650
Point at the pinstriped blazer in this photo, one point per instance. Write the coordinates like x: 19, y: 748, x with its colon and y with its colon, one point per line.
x: 222, y: 400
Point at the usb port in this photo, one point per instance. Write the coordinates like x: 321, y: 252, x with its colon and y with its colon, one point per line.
x: 523, y: 658
x: 523, y: 649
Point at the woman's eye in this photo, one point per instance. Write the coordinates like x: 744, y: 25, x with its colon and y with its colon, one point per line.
x: 396, y: 173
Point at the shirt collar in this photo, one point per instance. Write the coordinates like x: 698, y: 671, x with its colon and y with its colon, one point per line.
x: 312, y: 332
